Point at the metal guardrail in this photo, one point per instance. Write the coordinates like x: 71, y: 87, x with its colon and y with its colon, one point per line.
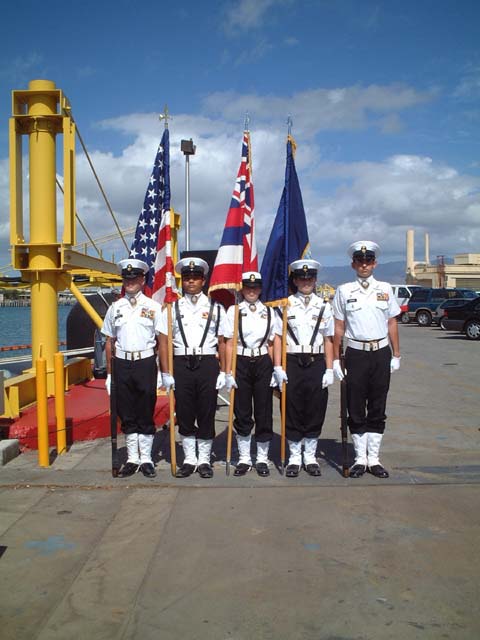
x: 28, y: 358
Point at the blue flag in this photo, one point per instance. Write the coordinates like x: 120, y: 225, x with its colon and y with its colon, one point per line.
x: 289, y: 236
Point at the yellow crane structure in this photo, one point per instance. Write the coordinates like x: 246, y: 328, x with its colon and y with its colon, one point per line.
x: 46, y: 262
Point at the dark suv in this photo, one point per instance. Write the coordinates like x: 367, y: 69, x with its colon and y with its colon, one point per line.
x: 423, y: 302
x: 465, y: 319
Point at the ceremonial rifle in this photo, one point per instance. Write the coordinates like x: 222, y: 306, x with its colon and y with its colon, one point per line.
x: 113, y: 416
x: 343, y: 417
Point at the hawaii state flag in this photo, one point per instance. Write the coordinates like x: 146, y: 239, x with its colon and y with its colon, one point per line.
x: 238, y: 251
x: 289, y: 236
x: 152, y: 242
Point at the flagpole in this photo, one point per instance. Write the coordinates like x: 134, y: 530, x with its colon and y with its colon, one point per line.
x: 171, y: 396
x: 232, y: 390
x: 283, y: 390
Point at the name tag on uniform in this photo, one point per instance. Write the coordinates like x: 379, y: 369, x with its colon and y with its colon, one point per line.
x: 290, y: 317
x: 351, y: 300
x: 383, y: 296
x: 147, y: 313
x: 243, y: 314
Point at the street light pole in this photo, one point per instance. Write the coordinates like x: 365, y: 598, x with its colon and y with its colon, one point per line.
x: 188, y: 148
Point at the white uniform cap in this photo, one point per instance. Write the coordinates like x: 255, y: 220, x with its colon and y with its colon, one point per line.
x: 304, y: 268
x: 190, y: 265
x: 365, y: 247
x: 131, y: 268
x: 251, y: 279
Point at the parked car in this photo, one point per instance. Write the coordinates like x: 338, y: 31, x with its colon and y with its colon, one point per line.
x: 423, y: 302
x: 439, y: 313
x: 464, y: 318
x: 402, y: 293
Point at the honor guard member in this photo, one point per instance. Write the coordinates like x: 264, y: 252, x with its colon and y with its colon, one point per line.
x: 310, y: 329
x: 132, y: 327
x: 253, y: 373
x: 365, y: 313
x: 197, y: 323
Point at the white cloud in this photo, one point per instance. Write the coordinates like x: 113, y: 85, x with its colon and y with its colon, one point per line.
x: 342, y: 108
x: 246, y: 14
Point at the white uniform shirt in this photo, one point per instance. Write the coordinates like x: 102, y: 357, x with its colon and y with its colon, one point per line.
x: 134, y: 327
x: 194, y: 319
x: 365, y: 311
x: 254, y: 324
x: 303, y: 319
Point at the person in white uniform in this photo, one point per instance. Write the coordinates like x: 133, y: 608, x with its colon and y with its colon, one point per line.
x: 309, y: 344
x: 365, y: 313
x: 132, y: 326
x: 198, y: 356
x: 253, y: 373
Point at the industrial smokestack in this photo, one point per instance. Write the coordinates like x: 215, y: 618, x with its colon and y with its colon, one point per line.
x: 410, y: 251
x: 427, y: 249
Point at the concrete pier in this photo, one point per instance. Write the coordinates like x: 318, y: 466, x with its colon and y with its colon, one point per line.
x: 84, y: 555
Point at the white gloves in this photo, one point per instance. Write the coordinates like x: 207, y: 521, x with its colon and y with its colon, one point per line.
x: 280, y: 376
x: 327, y: 379
x: 108, y: 382
x: 337, y: 370
x: 230, y: 382
x: 159, y: 380
x: 395, y: 363
x: 168, y: 382
x: 221, y: 380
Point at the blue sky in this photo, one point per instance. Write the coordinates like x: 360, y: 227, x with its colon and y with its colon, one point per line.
x: 384, y: 98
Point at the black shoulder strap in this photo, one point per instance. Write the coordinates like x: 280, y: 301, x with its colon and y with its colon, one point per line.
x: 269, y: 323
x: 289, y: 328
x: 218, y: 320
x: 317, y: 326
x: 178, y: 318
x: 240, y: 330
x: 207, y: 326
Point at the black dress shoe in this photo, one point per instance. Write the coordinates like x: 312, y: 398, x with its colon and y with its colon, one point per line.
x: 357, y: 471
x: 128, y: 469
x: 378, y: 471
x: 205, y: 470
x: 185, y: 470
x: 241, y: 469
x: 262, y: 469
x: 313, y: 469
x: 148, y: 470
x: 292, y: 470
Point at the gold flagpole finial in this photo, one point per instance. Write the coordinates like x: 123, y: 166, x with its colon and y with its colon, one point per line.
x: 165, y: 116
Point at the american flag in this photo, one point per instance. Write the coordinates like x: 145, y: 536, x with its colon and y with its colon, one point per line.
x: 152, y: 242
x: 238, y: 251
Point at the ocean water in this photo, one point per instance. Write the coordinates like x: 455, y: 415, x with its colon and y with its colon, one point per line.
x: 15, y: 329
